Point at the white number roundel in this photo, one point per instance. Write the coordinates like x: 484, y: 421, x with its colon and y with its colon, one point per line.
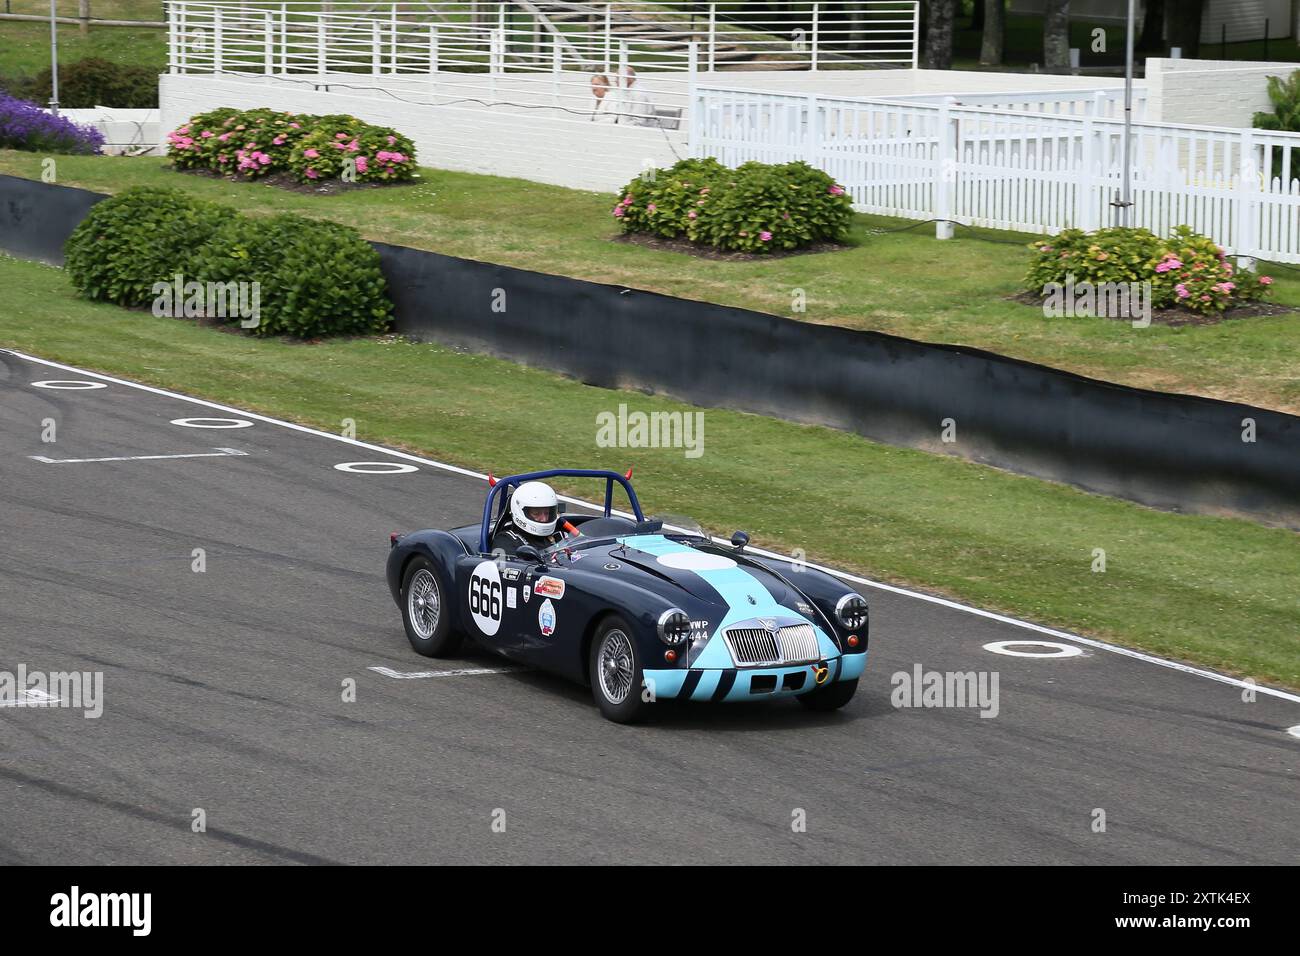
x: 485, y: 597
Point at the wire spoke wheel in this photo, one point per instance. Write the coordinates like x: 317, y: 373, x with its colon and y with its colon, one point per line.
x: 423, y: 603
x: 616, y: 666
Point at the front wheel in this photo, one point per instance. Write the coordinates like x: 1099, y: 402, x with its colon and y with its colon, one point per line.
x: 425, y: 612
x: 831, y: 697
x: 616, y: 676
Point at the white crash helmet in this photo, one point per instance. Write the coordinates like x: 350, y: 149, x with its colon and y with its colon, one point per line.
x: 534, y: 509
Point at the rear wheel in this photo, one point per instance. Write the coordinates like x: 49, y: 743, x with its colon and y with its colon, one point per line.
x: 830, y: 697
x: 424, y: 610
x: 616, y: 675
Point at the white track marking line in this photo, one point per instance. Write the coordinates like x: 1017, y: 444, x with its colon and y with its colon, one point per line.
x: 890, y: 588
x: 1294, y: 731
x: 219, y: 453
x: 420, y: 675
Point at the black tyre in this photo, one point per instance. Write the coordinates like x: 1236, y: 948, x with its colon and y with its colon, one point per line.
x: 425, y: 612
x: 617, y: 681
x: 831, y: 696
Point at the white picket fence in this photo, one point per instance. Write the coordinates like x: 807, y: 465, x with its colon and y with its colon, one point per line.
x: 1011, y: 169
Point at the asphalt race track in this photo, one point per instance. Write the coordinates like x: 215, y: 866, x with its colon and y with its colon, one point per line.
x: 223, y: 691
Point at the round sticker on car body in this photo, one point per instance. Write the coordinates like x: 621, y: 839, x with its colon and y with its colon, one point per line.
x: 546, y: 618
x: 485, y: 597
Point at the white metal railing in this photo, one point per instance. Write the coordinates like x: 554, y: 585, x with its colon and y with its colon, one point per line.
x: 1010, y: 169
x: 266, y: 36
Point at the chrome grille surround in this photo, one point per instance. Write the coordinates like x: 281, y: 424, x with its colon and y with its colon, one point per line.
x: 753, y: 645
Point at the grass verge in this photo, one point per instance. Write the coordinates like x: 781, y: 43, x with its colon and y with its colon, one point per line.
x: 903, y: 282
x: 1213, y: 591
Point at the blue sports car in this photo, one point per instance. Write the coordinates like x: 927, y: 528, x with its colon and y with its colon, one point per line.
x: 637, y: 611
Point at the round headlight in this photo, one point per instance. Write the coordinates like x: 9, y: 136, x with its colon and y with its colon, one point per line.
x: 851, y: 611
x: 674, y: 626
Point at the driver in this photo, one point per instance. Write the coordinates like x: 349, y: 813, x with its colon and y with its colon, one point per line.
x: 534, y: 512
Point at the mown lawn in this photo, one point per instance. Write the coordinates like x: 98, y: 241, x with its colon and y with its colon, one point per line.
x: 1214, y: 591
x: 903, y: 282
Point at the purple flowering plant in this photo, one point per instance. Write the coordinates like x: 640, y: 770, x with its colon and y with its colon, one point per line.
x: 24, y: 125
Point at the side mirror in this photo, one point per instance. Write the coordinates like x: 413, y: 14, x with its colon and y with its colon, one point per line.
x: 739, y: 540
x: 528, y: 553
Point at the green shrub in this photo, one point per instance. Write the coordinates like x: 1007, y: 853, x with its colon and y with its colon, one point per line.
x: 1186, y: 269
x: 93, y: 82
x: 136, y: 238
x: 315, y: 278
x: 253, y: 143
x: 1284, y: 94
x: 666, y: 201
x: 775, y: 207
x: 756, y: 207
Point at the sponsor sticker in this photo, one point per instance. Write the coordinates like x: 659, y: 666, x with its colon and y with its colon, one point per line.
x: 528, y: 593
x: 510, y: 574
x: 512, y: 597
x: 546, y: 618
x: 550, y: 587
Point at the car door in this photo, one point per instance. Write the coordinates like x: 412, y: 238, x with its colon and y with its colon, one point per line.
x: 496, y: 602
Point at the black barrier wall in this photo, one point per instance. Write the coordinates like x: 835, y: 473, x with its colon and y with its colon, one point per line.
x: 37, y: 218
x: 1174, y: 452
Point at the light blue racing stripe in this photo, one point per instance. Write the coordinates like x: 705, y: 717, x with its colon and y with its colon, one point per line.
x: 736, y: 586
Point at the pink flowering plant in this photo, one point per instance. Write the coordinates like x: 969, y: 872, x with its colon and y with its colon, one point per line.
x: 378, y: 154
x: 1185, y: 270
x: 248, y: 144
x: 755, y: 208
x: 665, y: 202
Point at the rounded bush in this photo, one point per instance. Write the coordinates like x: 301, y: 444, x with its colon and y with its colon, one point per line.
x: 756, y: 207
x: 1186, y: 269
x: 379, y: 154
x: 94, y: 81
x: 253, y: 143
x: 245, y: 143
x: 314, y: 278
x: 139, y: 237
x: 774, y: 207
x: 664, y: 202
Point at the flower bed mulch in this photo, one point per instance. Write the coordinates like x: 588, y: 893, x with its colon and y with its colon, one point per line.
x: 326, y: 187
x: 708, y: 252
x: 1177, y: 317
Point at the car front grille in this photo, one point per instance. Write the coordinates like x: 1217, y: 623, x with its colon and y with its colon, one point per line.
x: 792, y: 644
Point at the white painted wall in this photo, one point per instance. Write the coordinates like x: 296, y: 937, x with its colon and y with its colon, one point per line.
x: 539, y: 126
x: 501, y: 142
x: 1209, y: 92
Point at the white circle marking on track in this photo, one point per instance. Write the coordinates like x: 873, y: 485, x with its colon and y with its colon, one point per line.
x: 69, y: 385
x: 1053, y: 649
x: 375, y: 468
x: 212, y: 422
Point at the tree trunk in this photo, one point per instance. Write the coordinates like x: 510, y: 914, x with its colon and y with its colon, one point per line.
x: 1153, y: 28
x: 938, y: 35
x: 977, y: 14
x: 1056, y: 36
x: 995, y: 32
